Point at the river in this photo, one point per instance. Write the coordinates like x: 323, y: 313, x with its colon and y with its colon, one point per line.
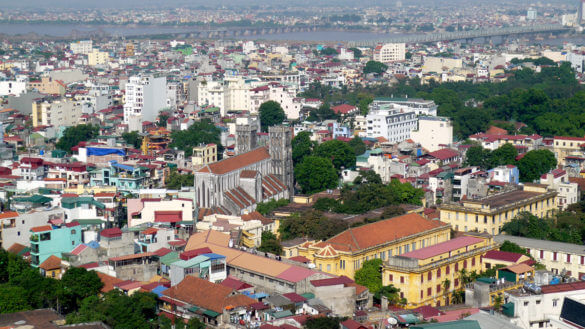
x: 64, y: 30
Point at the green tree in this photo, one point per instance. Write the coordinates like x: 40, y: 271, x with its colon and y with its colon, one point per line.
x: 302, y: 146
x: 328, y: 51
x: 311, y: 224
x: 370, y: 275
x: 503, y: 155
x: 375, y: 67
x: 406, y: 193
x: 132, y: 138
x: 357, y: 54
x: 270, y: 243
x: 390, y: 292
x: 340, y: 153
x: 267, y: 207
x: 73, y: 135
x: 323, y: 322
x: 13, y: 299
x: 535, y: 163
x: 201, y: 132
x: 162, y: 119
x: 271, y: 114
x: 324, y: 112
x: 79, y: 283
x: 315, y: 174
x: 358, y: 146
x: 175, y: 180
x: 513, y: 247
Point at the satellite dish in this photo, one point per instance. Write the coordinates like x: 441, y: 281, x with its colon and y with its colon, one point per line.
x: 392, y: 321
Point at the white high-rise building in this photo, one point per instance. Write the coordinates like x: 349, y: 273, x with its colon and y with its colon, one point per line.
x: 394, y: 125
x: 81, y: 47
x: 13, y: 87
x: 146, y: 96
x: 237, y: 94
x: 390, y: 52
x: 531, y: 14
x: 433, y: 132
x: 211, y: 93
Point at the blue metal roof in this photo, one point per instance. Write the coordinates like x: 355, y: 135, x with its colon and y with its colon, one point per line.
x: 213, y: 256
x: 158, y: 290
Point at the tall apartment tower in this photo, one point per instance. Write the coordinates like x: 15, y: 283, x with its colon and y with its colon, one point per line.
x: 280, y: 149
x: 581, y: 12
x: 246, y: 137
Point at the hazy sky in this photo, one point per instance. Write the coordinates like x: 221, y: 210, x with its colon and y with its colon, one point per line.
x: 230, y: 3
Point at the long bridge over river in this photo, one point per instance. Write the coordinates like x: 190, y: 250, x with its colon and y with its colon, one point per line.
x: 236, y: 32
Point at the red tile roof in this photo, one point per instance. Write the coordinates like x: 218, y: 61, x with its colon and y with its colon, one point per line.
x: 237, y: 162
x: 549, y: 289
x: 235, y: 283
x: 331, y: 282
x: 295, y: 298
x: 168, y: 216
x: 111, y: 232
x: 381, y: 232
x: 505, y: 256
x: 205, y: 294
x: 444, y: 154
x: 51, y: 263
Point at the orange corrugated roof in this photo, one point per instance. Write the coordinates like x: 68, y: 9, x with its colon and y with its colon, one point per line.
x: 377, y: 233
x: 42, y: 228
x: 8, y: 214
x: 51, y: 263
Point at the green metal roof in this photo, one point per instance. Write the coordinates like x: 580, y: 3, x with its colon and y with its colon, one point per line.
x: 70, y: 203
x: 170, y: 258
x: 212, y: 313
x: 282, y: 314
x: 193, y: 309
x: 191, y: 262
x: 34, y: 199
x: 308, y: 295
x: 95, y: 221
x: 461, y: 324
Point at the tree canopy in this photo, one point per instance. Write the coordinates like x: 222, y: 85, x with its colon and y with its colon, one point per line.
x: 315, y: 174
x: 486, y: 159
x: 375, y: 67
x: 340, y: 153
x: 358, y: 145
x: 311, y: 224
x: 269, y: 243
x: 175, y: 180
x: 132, y: 138
x: 535, y: 163
x: 201, y: 132
x: 302, y: 146
x: 271, y: 114
x: 73, y: 135
x: 370, y: 275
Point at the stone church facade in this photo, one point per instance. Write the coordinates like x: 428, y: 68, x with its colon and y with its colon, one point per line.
x: 256, y: 174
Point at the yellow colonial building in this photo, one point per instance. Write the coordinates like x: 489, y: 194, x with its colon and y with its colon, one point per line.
x: 428, y: 276
x: 491, y: 213
x: 346, y: 252
x: 204, y: 154
x: 564, y: 146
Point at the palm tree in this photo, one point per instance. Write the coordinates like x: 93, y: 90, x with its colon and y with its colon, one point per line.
x: 446, y: 285
x: 498, y: 301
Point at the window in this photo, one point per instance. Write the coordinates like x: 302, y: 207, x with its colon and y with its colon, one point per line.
x: 401, y: 279
x: 391, y: 277
x: 542, y: 254
x: 328, y: 267
x: 438, y: 288
x: 421, y: 294
x: 568, y: 258
x: 447, y: 269
x: 456, y: 267
x: 554, y: 255
x: 422, y: 278
x: 555, y: 301
x: 438, y: 272
x: 430, y: 275
x: 465, y: 263
x: 456, y: 282
x: 429, y: 291
x: 473, y: 261
x: 582, y: 260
